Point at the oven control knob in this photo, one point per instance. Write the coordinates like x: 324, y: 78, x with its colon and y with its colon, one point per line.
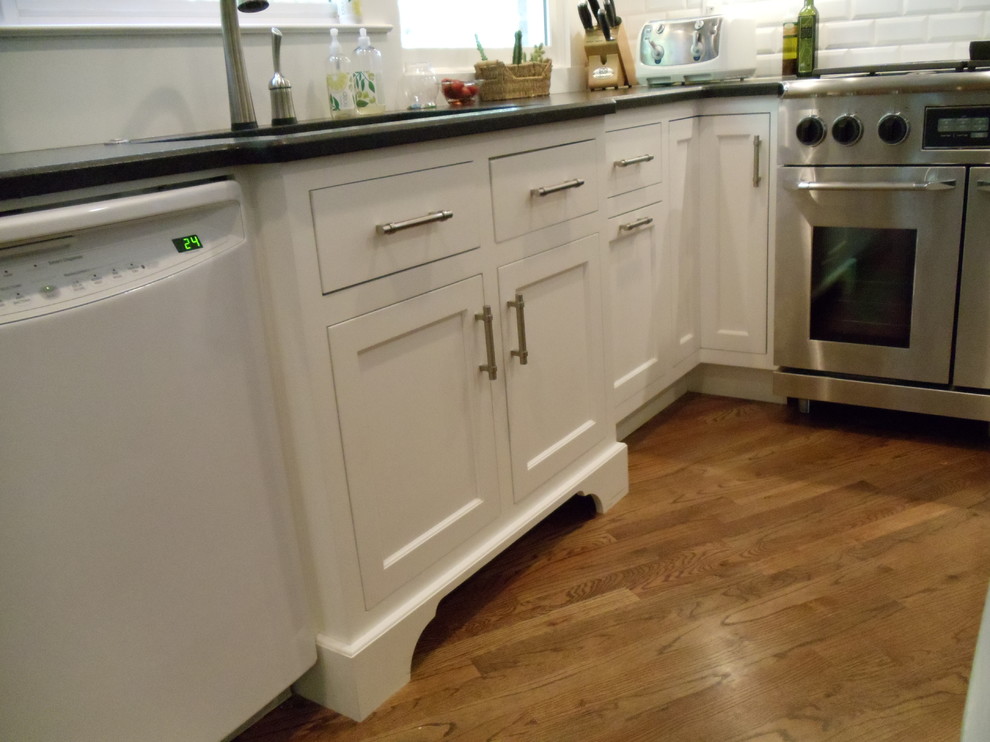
x: 847, y: 129
x: 811, y: 131
x: 893, y: 128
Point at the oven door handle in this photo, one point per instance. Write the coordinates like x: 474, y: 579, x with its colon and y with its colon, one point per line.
x: 933, y: 185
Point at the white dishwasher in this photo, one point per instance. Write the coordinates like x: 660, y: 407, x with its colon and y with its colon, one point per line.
x: 150, y: 585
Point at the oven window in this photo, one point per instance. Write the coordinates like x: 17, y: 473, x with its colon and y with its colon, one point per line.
x: 862, y: 283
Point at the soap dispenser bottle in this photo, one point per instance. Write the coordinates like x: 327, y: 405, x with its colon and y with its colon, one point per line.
x: 340, y: 84
x: 368, y: 94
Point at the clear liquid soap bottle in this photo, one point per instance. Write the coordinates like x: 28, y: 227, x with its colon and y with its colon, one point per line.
x: 368, y: 90
x: 340, y: 84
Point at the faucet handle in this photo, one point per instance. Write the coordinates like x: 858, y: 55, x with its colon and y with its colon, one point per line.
x: 280, y: 88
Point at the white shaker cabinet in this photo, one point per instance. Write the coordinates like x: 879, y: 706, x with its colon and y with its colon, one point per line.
x: 545, y: 200
x: 400, y: 282
x: 554, y: 366
x: 640, y: 285
x: 734, y: 234
x: 684, y: 224
x: 638, y: 278
x: 706, y: 323
x: 418, y: 430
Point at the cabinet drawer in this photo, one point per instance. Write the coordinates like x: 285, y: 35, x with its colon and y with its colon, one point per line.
x: 633, y: 159
x: 566, y: 175
x: 427, y: 212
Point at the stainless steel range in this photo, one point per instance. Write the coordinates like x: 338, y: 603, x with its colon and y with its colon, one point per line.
x: 883, y: 241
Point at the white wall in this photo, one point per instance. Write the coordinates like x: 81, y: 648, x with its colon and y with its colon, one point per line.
x: 61, y: 90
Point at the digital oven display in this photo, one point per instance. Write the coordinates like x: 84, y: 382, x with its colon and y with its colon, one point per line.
x: 964, y: 125
x: 957, y: 127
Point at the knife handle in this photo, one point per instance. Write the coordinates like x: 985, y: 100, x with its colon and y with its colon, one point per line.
x: 603, y: 23
x: 613, y: 19
x: 595, y: 7
x: 585, y: 13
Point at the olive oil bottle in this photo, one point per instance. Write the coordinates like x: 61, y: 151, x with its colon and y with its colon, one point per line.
x: 807, y: 42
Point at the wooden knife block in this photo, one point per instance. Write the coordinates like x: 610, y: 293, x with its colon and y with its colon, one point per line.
x: 609, y: 63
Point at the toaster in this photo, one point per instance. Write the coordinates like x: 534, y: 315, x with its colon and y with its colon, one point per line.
x: 702, y: 49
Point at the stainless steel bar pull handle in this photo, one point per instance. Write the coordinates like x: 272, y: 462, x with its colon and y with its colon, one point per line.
x: 520, y: 306
x: 634, y: 160
x: 933, y: 185
x: 491, y: 368
x: 644, y: 221
x: 757, y: 143
x: 547, y: 190
x: 983, y: 185
x: 393, y: 227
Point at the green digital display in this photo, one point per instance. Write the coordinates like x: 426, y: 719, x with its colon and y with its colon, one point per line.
x: 187, y: 243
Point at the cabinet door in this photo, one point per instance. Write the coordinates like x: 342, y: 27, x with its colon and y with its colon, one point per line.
x: 735, y: 195
x: 684, y: 221
x: 972, y: 367
x: 556, y: 394
x: 638, y: 296
x: 417, y: 428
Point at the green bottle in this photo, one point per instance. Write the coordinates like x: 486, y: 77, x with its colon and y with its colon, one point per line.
x: 807, y: 52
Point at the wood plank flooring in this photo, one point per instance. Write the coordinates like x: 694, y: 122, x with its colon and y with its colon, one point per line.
x: 771, y: 577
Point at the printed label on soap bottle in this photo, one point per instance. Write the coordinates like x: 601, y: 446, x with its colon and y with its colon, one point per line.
x: 341, y: 97
x: 366, y: 92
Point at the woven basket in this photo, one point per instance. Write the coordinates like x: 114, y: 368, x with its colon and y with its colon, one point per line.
x: 507, y: 81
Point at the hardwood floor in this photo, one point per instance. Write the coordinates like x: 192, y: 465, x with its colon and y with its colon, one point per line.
x: 770, y: 577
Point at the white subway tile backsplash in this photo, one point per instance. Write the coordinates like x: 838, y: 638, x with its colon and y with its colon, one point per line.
x: 927, y: 53
x: 853, y: 32
x: 872, y: 55
x: 919, y: 7
x: 667, y: 6
x: 960, y: 50
x: 901, y: 30
x: 829, y: 58
x: 768, y: 66
x: 833, y: 10
x: 953, y: 26
x: 876, y: 8
x: 847, y: 34
x: 769, y: 40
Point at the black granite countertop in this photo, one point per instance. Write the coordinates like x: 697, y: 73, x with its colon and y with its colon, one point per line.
x: 39, y: 172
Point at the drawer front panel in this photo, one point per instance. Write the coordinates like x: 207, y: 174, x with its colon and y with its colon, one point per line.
x: 517, y: 181
x: 633, y: 158
x: 392, y: 223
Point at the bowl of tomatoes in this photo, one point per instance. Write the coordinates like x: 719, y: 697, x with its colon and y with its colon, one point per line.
x: 460, y: 92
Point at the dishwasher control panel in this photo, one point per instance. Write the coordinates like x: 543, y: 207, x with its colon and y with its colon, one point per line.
x: 66, y: 271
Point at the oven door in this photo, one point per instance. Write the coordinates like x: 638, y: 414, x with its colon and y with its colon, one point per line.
x: 867, y: 261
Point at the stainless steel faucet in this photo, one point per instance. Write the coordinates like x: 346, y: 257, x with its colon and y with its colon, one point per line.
x: 241, y: 106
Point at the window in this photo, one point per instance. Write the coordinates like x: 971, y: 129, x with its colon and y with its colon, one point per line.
x: 441, y: 32
x: 452, y: 24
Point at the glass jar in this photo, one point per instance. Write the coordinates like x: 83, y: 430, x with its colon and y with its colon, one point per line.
x: 420, y: 86
x: 788, y: 65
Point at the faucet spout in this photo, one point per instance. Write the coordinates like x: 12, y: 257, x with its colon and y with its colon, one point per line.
x: 239, y: 94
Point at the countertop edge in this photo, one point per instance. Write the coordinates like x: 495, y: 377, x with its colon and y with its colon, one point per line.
x: 44, y: 172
